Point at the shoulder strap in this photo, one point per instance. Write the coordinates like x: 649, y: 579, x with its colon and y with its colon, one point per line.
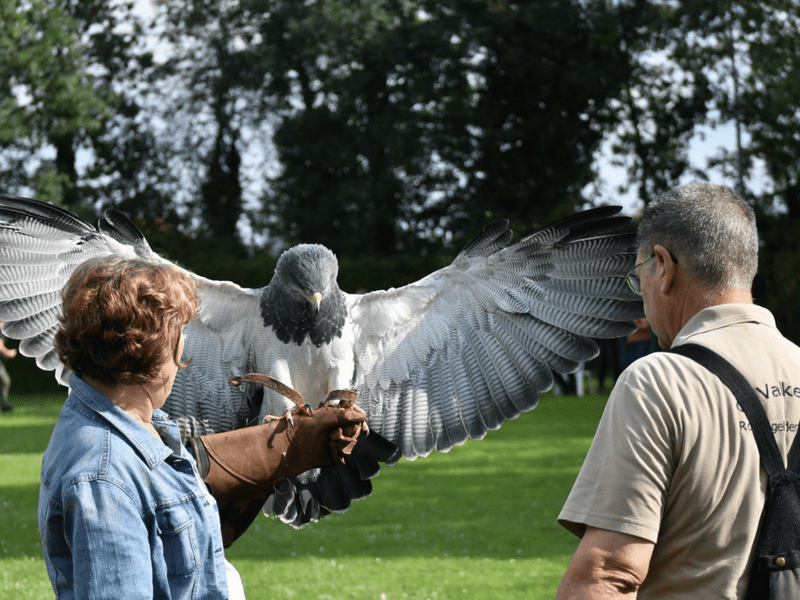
x: 746, y: 396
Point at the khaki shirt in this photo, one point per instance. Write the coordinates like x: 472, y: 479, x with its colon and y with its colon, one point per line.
x: 674, y: 460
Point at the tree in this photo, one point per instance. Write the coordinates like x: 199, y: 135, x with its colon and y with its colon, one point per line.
x: 720, y: 63
x: 73, y: 76
x: 549, y: 70
x: 770, y: 101
x: 214, y: 108
x: 660, y: 105
x: 405, y: 122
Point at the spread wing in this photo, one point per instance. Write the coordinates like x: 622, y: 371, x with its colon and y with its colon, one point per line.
x: 457, y: 353
x: 437, y: 362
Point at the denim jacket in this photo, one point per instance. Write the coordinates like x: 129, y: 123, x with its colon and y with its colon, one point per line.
x: 122, y: 515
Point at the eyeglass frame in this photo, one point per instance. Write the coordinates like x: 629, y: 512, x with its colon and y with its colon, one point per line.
x: 630, y: 275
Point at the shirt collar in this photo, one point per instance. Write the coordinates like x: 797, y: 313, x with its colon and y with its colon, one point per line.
x: 723, y: 315
x: 152, y: 451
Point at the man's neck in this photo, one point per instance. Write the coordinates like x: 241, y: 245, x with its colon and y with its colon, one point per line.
x: 693, y: 303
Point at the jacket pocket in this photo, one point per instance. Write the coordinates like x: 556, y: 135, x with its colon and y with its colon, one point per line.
x: 176, y: 528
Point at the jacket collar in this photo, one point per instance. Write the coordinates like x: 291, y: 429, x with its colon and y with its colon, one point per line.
x: 95, y: 405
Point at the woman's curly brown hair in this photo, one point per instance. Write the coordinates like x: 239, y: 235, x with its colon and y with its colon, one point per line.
x: 122, y: 319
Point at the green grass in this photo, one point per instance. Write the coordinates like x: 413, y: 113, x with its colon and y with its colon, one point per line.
x: 477, y: 522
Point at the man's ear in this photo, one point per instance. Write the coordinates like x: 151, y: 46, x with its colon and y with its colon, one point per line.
x: 666, y: 269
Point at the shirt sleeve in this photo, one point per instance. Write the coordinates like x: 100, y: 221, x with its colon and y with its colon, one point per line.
x: 622, y: 485
x: 109, y: 541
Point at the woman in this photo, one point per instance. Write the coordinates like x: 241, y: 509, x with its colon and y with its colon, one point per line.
x: 123, y: 512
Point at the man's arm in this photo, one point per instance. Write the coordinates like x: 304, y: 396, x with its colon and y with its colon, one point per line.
x: 606, y: 565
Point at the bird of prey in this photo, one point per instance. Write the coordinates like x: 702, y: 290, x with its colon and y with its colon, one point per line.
x: 435, y: 362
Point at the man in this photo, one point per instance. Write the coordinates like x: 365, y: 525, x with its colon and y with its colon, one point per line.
x: 5, y: 380
x: 668, y: 501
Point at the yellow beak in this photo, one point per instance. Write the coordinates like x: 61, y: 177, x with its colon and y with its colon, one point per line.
x: 316, y: 300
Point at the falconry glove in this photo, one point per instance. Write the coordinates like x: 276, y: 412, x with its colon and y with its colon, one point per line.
x: 246, y: 463
x: 240, y: 467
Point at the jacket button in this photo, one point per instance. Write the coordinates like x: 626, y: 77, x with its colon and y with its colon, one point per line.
x: 780, y: 561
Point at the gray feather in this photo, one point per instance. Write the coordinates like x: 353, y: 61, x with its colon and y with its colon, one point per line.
x: 492, y: 238
x: 607, y: 267
x: 613, y: 288
x: 40, y: 346
x: 32, y: 325
x: 20, y: 308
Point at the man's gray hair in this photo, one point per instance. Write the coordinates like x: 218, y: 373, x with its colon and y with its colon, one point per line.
x: 709, y: 228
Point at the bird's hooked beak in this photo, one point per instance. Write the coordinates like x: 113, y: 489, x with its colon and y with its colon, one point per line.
x: 315, y: 300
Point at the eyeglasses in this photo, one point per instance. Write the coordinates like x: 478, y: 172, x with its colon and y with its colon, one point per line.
x: 632, y: 279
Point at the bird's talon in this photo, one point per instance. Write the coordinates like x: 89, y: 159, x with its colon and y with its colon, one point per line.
x: 336, y: 397
x: 287, y: 416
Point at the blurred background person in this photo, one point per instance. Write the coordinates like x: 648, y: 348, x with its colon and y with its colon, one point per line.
x: 638, y: 344
x: 5, y: 379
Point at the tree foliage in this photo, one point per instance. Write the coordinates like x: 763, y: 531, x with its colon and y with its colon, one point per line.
x: 660, y: 105
x: 72, y: 130
x: 48, y: 104
x: 746, y: 55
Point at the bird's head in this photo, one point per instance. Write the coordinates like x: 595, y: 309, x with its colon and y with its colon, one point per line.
x: 303, y: 300
x: 308, y: 271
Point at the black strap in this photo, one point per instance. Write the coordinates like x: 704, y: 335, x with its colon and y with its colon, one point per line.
x: 746, y: 396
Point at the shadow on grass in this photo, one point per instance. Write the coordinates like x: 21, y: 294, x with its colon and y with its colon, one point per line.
x: 24, y: 439
x: 19, y: 533
x: 27, y: 428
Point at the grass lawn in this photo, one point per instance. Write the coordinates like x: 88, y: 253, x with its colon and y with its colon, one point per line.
x: 478, y: 522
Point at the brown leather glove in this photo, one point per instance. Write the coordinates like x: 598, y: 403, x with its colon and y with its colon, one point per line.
x: 246, y: 463
x: 242, y: 466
